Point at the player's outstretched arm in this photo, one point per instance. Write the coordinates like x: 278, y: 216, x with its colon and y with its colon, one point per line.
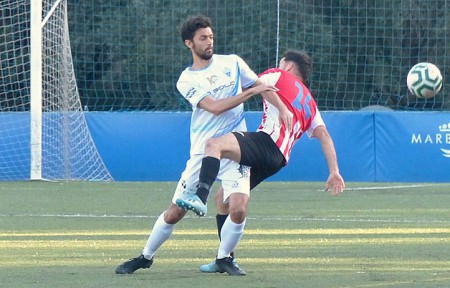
x: 335, y: 182
x: 217, y: 107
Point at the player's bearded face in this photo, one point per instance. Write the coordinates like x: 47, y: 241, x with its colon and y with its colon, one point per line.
x: 203, y: 53
x: 203, y: 43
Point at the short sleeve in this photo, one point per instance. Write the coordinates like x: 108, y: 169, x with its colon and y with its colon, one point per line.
x: 270, y: 78
x: 316, y: 122
x: 248, y: 77
x: 190, y: 91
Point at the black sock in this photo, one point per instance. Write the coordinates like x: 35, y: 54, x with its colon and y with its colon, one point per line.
x: 208, y: 173
x: 202, y: 193
x: 220, y: 219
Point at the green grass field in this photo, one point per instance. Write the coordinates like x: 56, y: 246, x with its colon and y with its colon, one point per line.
x: 74, y: 234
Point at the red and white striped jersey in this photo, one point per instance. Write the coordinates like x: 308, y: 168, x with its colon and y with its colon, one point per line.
x: 297, y: 97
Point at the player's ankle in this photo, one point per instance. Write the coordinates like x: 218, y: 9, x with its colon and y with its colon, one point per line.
x: 202, y: 193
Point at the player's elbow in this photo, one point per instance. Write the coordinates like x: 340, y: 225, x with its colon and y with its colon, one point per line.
x: 214, y: 108
x: 216, y: 111
x: 210, y: 105
x: 321, y: 132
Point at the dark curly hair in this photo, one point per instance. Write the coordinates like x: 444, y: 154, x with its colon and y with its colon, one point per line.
x: 303, y: 62
x: 192, y: 24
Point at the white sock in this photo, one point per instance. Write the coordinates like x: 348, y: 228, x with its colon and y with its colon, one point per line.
x: 160, y: 233
x: 230, y: 236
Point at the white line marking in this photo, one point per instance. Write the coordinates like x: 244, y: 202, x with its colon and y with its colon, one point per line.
x: 77, y: 216
x: 306, y: 219
x: 389, y: 187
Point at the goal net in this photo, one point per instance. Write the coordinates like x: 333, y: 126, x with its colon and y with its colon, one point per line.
x: 44, y: 134
x: 129, y: 54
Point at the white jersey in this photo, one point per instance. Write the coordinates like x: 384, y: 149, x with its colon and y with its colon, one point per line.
x: 224, y: 77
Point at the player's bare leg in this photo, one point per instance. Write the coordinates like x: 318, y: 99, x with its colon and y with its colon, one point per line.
x: 226, y: 146
x: 215, y: 149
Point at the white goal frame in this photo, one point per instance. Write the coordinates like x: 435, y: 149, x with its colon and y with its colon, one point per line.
x: 60, y: 144
x: 36, y: 90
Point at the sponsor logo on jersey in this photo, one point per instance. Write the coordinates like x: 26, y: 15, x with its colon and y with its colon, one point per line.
x: 212, y: 79
x: 190, y: 92
x: 221, y: 87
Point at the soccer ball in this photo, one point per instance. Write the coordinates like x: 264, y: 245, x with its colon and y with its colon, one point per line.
x: 424, y: 80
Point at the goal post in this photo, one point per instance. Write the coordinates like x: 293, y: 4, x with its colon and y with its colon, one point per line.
x: 44, y: 129
x: 35, y: 90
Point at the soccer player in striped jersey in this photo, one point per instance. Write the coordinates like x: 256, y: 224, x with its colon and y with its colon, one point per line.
x: 213, y: 85
x: 267, y: 150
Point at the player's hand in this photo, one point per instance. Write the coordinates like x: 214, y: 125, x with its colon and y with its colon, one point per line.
x: 336, y: 183
x: 285, y: 117
x: 264, y: 88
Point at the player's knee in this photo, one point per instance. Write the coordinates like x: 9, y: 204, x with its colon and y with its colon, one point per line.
x: 238, y: 203
x: 173, y: 214
x: 238, y: 214
x: 212, y: 147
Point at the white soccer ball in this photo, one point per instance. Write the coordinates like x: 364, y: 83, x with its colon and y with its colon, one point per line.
x: 424, y: 80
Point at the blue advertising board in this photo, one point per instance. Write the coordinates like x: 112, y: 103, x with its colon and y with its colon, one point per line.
x: 378, y: 146
x: 412, y: 146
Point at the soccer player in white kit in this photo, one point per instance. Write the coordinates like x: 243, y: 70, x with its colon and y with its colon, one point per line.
x: 213, y: 85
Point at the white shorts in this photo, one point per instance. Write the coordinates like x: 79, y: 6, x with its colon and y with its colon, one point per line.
x: 235, y: 178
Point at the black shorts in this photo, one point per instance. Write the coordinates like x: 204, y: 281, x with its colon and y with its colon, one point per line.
x: 260, y: 153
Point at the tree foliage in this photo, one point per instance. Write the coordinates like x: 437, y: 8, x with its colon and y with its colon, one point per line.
x: 128, y: 54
